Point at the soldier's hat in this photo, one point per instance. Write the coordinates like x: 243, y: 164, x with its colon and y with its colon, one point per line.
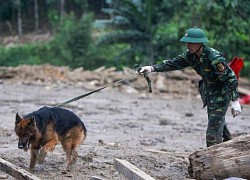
x: 194, y: 35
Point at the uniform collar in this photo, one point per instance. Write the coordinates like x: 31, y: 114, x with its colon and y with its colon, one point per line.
x: 203, y: 53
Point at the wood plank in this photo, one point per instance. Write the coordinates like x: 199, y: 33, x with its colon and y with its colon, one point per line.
x: 95, y: 178
x: 130, y: 171
x: 16, y: 171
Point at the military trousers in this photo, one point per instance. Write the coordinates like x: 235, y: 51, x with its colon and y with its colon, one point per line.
x: 218, y: 101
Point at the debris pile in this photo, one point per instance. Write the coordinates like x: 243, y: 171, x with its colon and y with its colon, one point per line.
x: 177, y: 84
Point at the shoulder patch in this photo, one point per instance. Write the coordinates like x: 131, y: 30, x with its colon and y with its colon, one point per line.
x: 221, y: 67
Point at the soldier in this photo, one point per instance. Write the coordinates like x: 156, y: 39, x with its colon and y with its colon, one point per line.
x: 219, y: 84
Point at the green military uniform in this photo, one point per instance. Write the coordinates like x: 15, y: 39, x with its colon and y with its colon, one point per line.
x: 217, y: 87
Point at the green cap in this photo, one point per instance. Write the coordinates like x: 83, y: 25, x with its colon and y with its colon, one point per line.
x: 194, y: 35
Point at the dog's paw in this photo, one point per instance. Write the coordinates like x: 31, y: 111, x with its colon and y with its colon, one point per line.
x: 31, y: 170
x: 41, y: 158
x: 69, y: 167
x: 40, y: 161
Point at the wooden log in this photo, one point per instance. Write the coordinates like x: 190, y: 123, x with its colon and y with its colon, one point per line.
x: 130, y: 171
x: 15, y: 171
x: 228, y: 159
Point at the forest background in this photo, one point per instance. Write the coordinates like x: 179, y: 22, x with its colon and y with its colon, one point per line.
x: 119, y: 33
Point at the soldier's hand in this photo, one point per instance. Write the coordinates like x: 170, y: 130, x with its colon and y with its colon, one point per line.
x: 146, y: 69
x: 235, y: 108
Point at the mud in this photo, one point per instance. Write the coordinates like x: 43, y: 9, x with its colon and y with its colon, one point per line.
x: 155, y: 132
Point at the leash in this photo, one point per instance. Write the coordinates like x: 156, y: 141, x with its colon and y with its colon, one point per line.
x: 112, y: 84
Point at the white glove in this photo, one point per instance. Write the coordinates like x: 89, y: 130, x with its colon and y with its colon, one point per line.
x: 146, y: 69
x: 235, y: 108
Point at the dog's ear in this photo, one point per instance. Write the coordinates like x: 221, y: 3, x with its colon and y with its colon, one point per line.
x: 18, y: 118
x: 32, y: 121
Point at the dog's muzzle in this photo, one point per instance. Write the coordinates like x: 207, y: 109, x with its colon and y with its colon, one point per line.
x: 20, y: 146
x: 24, y: 145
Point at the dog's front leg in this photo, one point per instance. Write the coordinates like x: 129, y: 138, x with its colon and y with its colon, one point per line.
x: 34, y: 151
x: 41, y: 156
x: 49, y: 146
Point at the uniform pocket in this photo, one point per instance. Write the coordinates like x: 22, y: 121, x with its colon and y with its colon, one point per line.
x: 218, y: 101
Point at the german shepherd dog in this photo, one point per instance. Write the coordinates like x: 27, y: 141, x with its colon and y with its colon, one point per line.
x: 44, y: 128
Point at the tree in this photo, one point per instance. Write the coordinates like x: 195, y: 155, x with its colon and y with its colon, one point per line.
x: 72, y: 42
x: 135, y: 23
x: 5, y: 14
x: 36, y: 15
x: 61, y: 10
x: 19, y: 18
x: 148, y: 27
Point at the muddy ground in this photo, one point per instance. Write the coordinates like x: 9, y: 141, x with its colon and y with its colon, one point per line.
x: 122, y: 124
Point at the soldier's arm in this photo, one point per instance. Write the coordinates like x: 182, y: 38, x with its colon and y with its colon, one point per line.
x: 226, y: 75
x: 177, y: 63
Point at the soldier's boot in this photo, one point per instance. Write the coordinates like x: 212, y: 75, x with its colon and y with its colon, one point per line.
x: 226, y: 134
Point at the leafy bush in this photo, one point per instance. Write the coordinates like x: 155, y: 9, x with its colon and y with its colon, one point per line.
x: 72, y: 46
x: 73, y: 43
x: 18, y: 55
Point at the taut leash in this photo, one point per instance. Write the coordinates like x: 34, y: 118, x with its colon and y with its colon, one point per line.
x: 112, y: 84
x: 92, y: 92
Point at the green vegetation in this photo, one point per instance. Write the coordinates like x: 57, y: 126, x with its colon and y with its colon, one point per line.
x: 142, y: 31
x: 72, y: 45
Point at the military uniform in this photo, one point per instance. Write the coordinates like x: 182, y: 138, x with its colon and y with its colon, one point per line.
x: 217, y: 87
x: 219, y: 84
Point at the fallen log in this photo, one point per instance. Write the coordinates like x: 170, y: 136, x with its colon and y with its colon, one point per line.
x: 228, y: 159
x: 15, y: 171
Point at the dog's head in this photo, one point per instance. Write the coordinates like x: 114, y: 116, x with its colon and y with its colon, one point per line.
x: 25, y: 129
